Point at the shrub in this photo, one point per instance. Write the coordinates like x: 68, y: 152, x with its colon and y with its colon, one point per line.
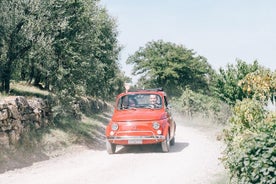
x: 194, y: 104
x: 250, y: 154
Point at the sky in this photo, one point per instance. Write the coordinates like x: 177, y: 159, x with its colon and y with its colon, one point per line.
x: 220, y: 30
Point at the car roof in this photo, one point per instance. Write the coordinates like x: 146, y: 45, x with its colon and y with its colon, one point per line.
x: 144, y: 91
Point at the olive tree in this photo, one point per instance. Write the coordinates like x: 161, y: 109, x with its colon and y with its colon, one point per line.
x: 171, y: 66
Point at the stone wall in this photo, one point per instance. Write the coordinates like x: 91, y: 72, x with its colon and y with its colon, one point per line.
x: 18, y: 115
x: 89, y: 105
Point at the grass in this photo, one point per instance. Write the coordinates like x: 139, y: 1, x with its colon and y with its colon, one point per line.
x: 89, y: 131
x: 25, y: 89
x: 41, y: 144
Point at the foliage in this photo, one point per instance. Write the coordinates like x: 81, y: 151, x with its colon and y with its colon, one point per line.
x: 250, y: 152
x: 260, y: 85
x: 226, y: 86
x: 194, y: 104
x: 16, y: 39
x: 69, y: 48
x: 171, y: 66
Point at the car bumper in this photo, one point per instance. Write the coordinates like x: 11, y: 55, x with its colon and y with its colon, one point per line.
x: 128, y: 140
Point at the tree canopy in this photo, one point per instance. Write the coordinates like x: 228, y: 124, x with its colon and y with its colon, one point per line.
x: 227, y: 86
x: 67, y: 47
x: 171, y: 66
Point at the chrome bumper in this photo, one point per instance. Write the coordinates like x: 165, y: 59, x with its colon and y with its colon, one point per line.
x: 127, y: 138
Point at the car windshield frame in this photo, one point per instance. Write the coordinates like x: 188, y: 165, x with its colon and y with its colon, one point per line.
x: 139, y: 100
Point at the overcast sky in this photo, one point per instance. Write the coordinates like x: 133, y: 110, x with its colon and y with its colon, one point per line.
x: 220, y: 30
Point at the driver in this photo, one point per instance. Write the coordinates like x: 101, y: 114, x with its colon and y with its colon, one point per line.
x: 153, y: 101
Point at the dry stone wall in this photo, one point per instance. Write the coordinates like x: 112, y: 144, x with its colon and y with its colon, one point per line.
x: 18, y: 115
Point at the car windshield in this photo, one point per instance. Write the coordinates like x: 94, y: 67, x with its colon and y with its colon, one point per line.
x: 152, y: 101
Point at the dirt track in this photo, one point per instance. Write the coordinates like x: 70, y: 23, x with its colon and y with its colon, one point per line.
x: 192, y: 160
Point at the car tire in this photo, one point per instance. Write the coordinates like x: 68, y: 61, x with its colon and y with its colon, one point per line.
x: 166, y: 144
x: 172, y: 142
x: 110, y: 148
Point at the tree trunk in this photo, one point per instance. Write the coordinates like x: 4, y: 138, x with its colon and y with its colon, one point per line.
x: 6, y: 77
x: 7, y: 85
x: 37, y: 79
x: 2, y: 85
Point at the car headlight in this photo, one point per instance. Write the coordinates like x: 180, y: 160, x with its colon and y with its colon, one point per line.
x: 114, y: 126
x: 156, y: 125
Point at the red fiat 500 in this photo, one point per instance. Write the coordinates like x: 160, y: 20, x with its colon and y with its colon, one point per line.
x: 141, y: 117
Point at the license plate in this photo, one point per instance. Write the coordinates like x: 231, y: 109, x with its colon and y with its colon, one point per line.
x: 135, y: 141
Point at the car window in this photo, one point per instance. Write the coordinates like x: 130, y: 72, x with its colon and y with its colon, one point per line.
x: 139, y: 101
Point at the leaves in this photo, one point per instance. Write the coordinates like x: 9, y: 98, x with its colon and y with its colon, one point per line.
x: 227, y: 81
x: 259, y: 85
x: 171, y: 66
x: 67, y: 47
x: 251, y: 139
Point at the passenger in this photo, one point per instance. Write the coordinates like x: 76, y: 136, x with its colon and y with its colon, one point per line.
x: 124, y: 102
x: 131, y: 102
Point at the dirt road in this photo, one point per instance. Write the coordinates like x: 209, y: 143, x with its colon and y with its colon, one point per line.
x: 192, y: 160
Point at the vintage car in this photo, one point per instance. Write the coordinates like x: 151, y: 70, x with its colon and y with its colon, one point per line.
x: 141, y: 117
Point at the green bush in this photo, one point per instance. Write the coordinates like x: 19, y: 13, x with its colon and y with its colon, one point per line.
x: 194, y: 104
x: 250, y: 154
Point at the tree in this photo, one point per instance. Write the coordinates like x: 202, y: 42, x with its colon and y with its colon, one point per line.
x: 103, y: 67
x: 85, y: 49
x: 171, y: 66
x: 227, y: 81
x: 16, y: 37
x: 67, y: 47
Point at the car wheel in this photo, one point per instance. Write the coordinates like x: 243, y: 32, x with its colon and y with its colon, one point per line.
x: 166, y: 144
x: 110, y: 148
x: 172, y: 142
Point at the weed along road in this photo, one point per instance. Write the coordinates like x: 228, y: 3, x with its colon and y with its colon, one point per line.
x: 194, y: 159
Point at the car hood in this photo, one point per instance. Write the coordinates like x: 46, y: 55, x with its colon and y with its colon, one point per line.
x: 138, y: 115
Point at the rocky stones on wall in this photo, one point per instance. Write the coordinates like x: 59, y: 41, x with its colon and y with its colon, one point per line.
x: 19, y: 114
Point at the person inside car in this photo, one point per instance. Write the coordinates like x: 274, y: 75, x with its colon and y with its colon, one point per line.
x: 154, y: 101
x: 132, y: 102
x: 128, y: 101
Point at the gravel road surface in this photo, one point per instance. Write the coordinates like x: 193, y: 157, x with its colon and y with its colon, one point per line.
x: 194, y: 159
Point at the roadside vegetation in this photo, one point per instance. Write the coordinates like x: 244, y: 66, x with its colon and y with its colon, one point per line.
x: 250, y: 154
x: 81, y: 130
x: 68, y: 48
x: 237, y: 97
x: 63, y: 51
